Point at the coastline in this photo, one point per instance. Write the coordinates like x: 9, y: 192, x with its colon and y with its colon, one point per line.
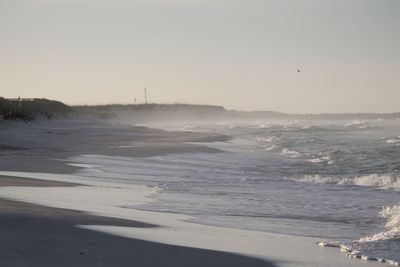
x: 37, y: 235
x: 275, y: 247
x: 34, y: 235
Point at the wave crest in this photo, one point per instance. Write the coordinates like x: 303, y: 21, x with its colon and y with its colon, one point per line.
x: 372, y: 180
x: 392, y: 215
x: 290, y: 153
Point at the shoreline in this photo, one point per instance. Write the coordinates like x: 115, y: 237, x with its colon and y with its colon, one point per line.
x: 68, y: 215
x: 175, y: 230
x: 35, y: 235
x: 276, y: 246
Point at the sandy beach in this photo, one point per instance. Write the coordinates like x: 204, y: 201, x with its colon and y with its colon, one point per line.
x: 40, y: 228
x: 35, y: 235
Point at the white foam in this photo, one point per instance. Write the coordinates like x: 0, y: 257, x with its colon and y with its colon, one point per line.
x: 378, y: 181
x: 317, y: 179
x: 81, y: 165
x: 270, y: 148
x: 392, y: 215
x: 329, y: 244
x: 316, y: 160
x: 290, y: 153
x: 393, y: 141
x: 267, y: 139
x: 356, y: 123
x: 322, y: 158
x: 373, y: 180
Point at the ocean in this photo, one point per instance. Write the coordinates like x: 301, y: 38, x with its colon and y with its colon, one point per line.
x: 327, y: 179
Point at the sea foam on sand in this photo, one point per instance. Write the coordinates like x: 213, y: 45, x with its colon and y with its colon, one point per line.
x: 107, y: 199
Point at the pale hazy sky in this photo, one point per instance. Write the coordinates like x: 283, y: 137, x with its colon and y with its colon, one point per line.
x: 242, y: 54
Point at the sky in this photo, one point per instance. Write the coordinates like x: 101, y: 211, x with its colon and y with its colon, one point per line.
x: 242, y: 54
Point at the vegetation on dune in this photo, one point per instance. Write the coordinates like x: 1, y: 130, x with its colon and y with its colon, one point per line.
x: 29, y: 109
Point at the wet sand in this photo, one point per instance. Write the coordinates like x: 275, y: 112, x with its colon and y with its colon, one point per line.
x: 34, y: 235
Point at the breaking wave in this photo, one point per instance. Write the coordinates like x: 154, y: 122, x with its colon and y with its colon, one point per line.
x: 322, y: 158
x: 373, y: 180
x: 358, y: 124
x: 393, y: 141
x: 381, y: 247
x: 290, y: 153
x: 392, y: 215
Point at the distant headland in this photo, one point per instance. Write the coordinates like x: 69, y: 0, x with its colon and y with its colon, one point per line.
x: 29, y: 109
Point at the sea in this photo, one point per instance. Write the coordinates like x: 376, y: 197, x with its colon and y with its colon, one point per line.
x: 329, y: 179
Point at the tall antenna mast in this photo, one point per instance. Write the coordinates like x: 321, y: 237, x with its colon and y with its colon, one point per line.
x: 145, y: 95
